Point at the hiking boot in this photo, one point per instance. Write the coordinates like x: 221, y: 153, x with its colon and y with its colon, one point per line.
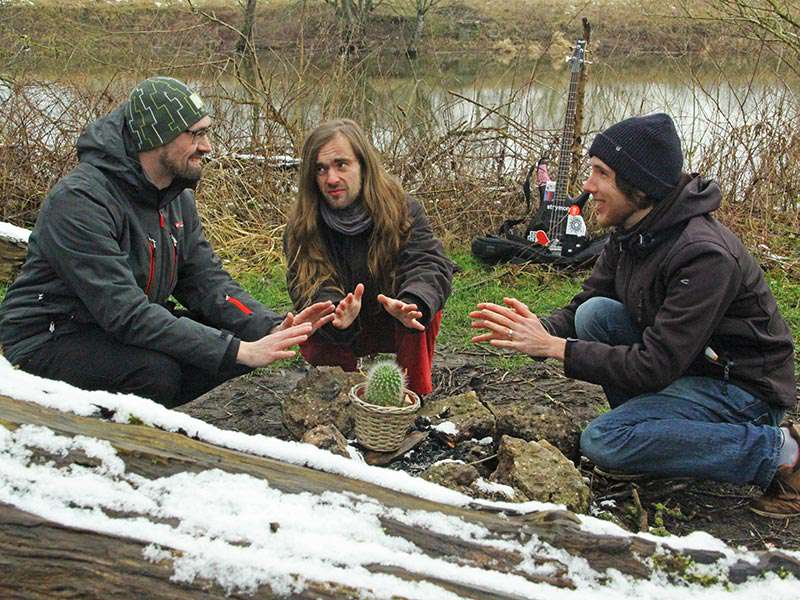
x: 782, y: 498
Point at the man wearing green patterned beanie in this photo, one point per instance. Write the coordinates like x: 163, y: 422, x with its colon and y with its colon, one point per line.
x: 117, y: 239
x: 159, y: 111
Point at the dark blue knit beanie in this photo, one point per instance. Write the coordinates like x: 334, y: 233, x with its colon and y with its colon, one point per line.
x: 645, y: 151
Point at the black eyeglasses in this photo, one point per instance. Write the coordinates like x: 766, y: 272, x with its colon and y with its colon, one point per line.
x: 198, y: 134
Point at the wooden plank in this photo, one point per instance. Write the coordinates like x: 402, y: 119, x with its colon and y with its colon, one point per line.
x: 413, y: 439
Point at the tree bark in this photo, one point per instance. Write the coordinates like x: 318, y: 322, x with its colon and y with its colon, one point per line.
x: 41, y: 559
x: 248, y: 25
x: 419, y: 26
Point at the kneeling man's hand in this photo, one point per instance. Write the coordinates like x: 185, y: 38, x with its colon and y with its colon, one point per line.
x: 318, y: 314
x: 274, y: 346
x: 407, y: 314
x: 515, y: 327
x: 348, y: 308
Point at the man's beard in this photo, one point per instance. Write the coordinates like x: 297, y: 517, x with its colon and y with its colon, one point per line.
x: 185, y: 171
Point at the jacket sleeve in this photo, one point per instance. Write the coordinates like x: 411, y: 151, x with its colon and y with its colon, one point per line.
x: 78, y: 235
x: 693, y: 308
x: 207, y: 290
x: 600, y: 282
x: 424, y: 272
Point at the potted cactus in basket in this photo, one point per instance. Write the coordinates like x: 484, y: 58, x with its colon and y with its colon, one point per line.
x: 384, y: 408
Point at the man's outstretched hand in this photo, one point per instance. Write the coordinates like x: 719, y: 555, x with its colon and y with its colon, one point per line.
x: 515, y: 327
x: 348, y: 308
x: 318, y: 314
x: 274, y: 346
x: 407, y: 314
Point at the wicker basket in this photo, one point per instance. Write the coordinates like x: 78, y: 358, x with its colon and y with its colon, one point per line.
x: 381, y: 428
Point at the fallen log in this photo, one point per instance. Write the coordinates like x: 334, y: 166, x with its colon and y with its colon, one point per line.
x: 41, y: 558
x: 13, y: 249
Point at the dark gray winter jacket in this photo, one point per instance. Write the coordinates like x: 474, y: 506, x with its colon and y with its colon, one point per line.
x: 109, y: 249
x: 688, y: 283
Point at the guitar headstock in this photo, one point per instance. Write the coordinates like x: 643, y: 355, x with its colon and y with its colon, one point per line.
x: 578, y: 56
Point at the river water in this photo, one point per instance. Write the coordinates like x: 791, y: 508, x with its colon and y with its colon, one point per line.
x: 518, y: 107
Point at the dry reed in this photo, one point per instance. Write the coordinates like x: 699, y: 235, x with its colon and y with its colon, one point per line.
x: 465, y: 167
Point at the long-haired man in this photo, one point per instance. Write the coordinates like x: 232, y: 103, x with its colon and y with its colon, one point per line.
x: 355, y: 238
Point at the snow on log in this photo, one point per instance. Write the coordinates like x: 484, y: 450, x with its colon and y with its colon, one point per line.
x: 98, y: 507
x: 13, y: 248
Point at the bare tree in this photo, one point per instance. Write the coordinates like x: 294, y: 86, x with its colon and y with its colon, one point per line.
x: 422, y: 8
x: 248, y: 24
x: 776, y: 22
x: 353, y: 15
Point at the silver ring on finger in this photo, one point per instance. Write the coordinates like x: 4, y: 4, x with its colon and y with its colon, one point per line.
x: 510, y: 333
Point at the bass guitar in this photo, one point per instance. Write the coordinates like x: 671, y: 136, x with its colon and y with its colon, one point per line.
x: 558, y: 224
x: 556, y: 232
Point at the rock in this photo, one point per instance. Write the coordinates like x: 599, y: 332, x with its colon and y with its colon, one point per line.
x: 471, y: 418
x: 320, y: 398
x: 451, y: 474
x: 327, y: 437
x: 497, y: 492
x: 465, y: 478
x: 541, y: 472
x: 531, y: 422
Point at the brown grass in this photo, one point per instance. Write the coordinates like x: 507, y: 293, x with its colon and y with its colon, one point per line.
x: 459, y: 168
x: 456, y: 169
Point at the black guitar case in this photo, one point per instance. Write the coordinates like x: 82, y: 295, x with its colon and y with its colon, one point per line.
x: 498, y: 248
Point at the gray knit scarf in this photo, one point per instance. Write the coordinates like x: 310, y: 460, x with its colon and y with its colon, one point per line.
x: 350, y: 220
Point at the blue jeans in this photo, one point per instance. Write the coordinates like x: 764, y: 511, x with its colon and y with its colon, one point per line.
x: 695, y: 427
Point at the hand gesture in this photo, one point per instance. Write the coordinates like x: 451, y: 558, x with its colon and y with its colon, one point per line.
x: 273, y: 347
x: 515, y: 327
x: 348, y: 308
x: 407, y: 314
x: 318, y: 314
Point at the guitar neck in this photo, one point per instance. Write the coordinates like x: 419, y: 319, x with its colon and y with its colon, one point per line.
x: 567, y: 137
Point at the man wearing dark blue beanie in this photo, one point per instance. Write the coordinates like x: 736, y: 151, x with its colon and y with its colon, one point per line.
x: 676, y: 322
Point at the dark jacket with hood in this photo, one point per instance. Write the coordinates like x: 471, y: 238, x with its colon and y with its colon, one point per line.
x: 689, y: 284
x: 109, y: 249
x: 423, y: 273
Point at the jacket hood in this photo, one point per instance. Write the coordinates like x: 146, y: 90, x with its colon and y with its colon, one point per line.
x: 694, y: 196
x: 107, y: 145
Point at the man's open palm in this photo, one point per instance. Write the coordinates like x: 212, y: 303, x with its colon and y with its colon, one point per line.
x: 347, y: 310
x: 406, y: 313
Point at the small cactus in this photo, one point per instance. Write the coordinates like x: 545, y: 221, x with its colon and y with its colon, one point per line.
x: 386, y: 384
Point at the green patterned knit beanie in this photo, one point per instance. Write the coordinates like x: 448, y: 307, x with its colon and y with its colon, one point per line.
x: 160, y: 109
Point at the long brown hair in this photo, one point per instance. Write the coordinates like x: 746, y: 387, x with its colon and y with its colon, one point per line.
x: 310, y: 267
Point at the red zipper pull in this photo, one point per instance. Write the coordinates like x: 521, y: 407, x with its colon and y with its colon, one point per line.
x: 152, y: 253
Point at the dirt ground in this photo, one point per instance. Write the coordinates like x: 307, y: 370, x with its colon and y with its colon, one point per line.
x: 252, y: 405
